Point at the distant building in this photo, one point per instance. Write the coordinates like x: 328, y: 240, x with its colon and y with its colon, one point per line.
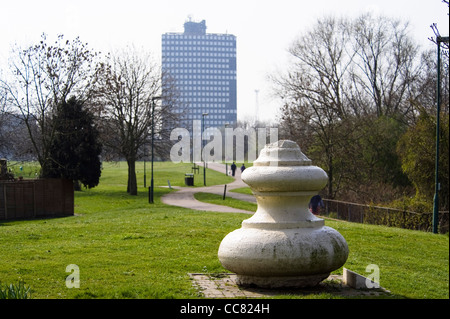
x: 203, y: 67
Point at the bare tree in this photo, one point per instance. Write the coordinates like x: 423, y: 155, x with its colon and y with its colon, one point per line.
x: 314, y: 89
x: 3, y: 119
x: 128, y: 93
x: 385, y: 66
x: 424, y: 89
x: 445, y: 59
x: 445, y: 44
x: 14, y: 140
x: 346, y: 74
x: 42, y: 76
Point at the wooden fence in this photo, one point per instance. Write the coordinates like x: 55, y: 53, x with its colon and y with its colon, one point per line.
x: 36, y: 198
x: 383, y: 216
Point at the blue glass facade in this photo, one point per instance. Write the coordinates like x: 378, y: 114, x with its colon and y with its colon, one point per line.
x: 203, y: 66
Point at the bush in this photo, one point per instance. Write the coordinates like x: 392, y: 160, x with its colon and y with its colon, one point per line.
x: 19, y: 291
x: 417, y: 204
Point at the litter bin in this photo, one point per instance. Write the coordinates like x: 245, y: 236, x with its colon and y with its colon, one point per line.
x: 189, y: 179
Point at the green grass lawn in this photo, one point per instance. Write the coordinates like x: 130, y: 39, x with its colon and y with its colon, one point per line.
x: 115, y: 174
x: 242, y: 190
x: 228, y: 201
x: 24, y: 169
x: 127, y: 248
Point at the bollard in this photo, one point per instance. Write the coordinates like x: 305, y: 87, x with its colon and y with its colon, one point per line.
x: 224, y: 191
x: 150, y: 195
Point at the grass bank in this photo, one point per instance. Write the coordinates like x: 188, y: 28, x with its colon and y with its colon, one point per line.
x: 228, y: 201
x: 127, y: 248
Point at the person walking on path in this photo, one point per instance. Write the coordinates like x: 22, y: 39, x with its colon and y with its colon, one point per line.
x: 184, y: 196
x: 233, y: 169
x: 242, y: 168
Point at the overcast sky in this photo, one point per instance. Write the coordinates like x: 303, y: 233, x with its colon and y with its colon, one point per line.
x: 264, y: 28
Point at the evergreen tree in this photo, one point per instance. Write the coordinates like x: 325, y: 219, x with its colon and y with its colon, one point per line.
x: 75, y: 150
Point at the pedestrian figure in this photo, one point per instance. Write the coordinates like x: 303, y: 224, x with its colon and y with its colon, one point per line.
x: 242, y: 168
x: 233, y: 169
x: 315, y: 204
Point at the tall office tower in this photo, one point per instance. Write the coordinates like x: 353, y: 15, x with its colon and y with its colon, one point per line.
x: 203, y: 68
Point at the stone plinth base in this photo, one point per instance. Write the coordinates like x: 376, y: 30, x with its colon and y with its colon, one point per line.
x: 280, y: 282
x: 223, y: 285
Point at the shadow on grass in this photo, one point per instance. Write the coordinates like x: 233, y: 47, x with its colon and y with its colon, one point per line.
x: 11, y: 222
x: 120, y: 193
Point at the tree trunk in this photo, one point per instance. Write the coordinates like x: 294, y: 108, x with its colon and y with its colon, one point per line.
x: 132, y: 182
x: 76, y: 185
x: 330, y: 182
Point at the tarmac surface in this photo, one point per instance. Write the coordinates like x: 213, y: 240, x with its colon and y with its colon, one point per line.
x: 184, y: 196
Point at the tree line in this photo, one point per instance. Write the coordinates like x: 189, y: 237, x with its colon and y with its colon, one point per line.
x: 359, y: 96
x: 66, y: 105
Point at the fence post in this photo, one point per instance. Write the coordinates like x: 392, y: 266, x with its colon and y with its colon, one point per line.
x: 6, y: 206
x: 389, y: 217
x: 361, y: 214
x: 403, y: 219
x: 34, y: 199
x: 337, y: 210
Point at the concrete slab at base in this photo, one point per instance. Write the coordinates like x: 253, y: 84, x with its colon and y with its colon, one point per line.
x: 354, y: 280
x: 224, y: 285
x: 281, y: 282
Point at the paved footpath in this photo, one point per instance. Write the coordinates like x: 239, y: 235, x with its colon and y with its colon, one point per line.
x: 184, y: 196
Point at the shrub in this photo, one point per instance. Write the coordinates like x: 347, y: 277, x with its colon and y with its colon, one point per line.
x: 19, y: 291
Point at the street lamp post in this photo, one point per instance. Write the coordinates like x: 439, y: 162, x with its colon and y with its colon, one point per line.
x: 150, y: 194
x: 226, y: 162
x: 439, y: 39
x: 204, y: 161
x: 145, y: 173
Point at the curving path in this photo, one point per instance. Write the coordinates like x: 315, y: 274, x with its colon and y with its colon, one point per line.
x: 184, y: 196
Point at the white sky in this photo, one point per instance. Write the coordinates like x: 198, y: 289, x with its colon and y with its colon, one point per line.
x: 264, y: 29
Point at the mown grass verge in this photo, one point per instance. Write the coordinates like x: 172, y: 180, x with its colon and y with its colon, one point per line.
x: 127, y: 248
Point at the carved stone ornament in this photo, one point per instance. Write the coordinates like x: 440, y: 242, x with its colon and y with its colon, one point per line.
x: 283, y: 244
